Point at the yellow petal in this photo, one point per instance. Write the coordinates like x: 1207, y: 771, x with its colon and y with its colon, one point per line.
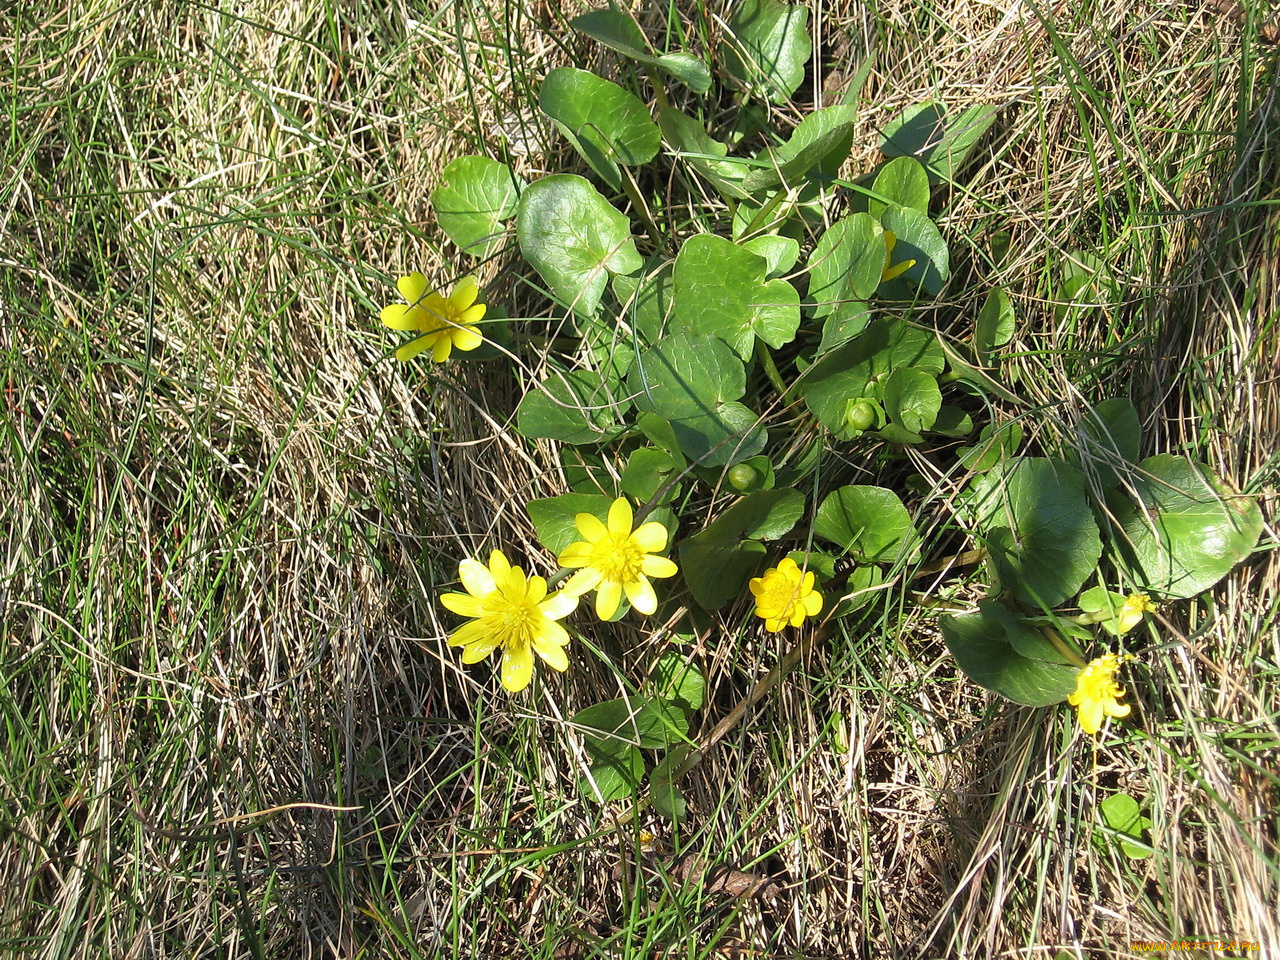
x: 787, y: 567
x: 621, y: 517
x: 476, y: 578
x: 517, y: 666
x: 575, y: 555
x: 650, y: 537
x: 1091, y: 716
x: 466, y: 338
x: 400, y: 317
x: 590, y: 527
x: 659, y: 567
x: 477, y: 650
x: 463, y: 604
x: 582, y: 582
x: 443, y: 344
x: 552, y: 634
x: 1114, y: 709
x: 640, y: 593
x: 756, y: 585
x: 470, y: 635
x: 512, y: 583
x: 559, y: 604
x: 607, y: 599
x: 414, y: 347
x: 535, y: 589
x: 812, y: 603
x: 552, y: 654
x: 470, y: 316
x: 464, y: 294
x: 412, y: 286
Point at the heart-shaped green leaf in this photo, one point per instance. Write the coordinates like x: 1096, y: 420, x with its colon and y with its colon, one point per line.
x: 474, y: 196
x: 680, y: 682
x: 614, y: 775
x: 1181, y: 528
x: 845, y: 266
x: 1110, y: 438
x: 769, y: 47
x: 942, y: 144
x: 606, y: 124
x: 870, y: 523
x: 643, y: 722
x: 995, y: 325
x: 917, y: 239
x: 912, y: 399
x: 720, y: 289
x: 780, y: 253
x: 646, y: 301
x: 1039, y: 529
x: 574, y: 408
x: 728, y: 434
x: 686, y: 375
x: 816, y: 148
x: 1122, y: 814
x: 619, y: 32
x: 901, y: 181
x: 553, y: 517
x: 716, y: 570
x: 574, y: 239
x: 983, y: 651
x: 685, y: 135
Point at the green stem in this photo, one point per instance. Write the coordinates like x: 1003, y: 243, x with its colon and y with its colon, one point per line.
x: 633, y: 192
x: 771, y: 369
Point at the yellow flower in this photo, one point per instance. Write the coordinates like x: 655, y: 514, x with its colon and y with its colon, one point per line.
x: 1130, y: 615
x: 888, y: 273
x: 509, y: 612
x: 615, y: 559
x: 444, y: 322
x: 1096, y: 692
x: 785, y: 595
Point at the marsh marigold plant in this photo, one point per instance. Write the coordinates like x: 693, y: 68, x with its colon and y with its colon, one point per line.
x: 613, y: 559
x: 511, y: 613
x: 444, y: 323
x: 785, y: 596
x: 1097, y: 693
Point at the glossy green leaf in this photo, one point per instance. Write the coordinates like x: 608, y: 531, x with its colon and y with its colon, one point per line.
x: 620, y: 33
x: 983, y: 651
x: 859, y: 368
x: 1121, y: 813
x: 1038, y: 529
x: 953, y: 422
x: 574, y: 239
x: 845, y: 266
x: 686, y: 375
x: 698, y: 149
x: 615, y: 775
x: 780, y: 253
x: 860, y: 589
x: 817, y: 147
x: 918, y: 239
x: 902, y: 182
x: 765, y: 515
x: 996, y: 443
x: 912, y: 398
x: 648, y: 470
x: 727, y: 434
x: 941, y: 143
x: 1027, y: 639
x: 720, y: 289
x: 474, y: 197
x: 666, y: 798
x: 717, y: 570
x: 869, y: 523
x: 607, y: 125
x: 646, y: 301
x: 688, y: 69
x: 553, y: 517
x: 1181, y: 528
x: 995, y: 325
x: 1110, y: 439
x: 572, y: 408
x: 680, y: 682
x: 845, y: 323
x: 1100, y: 599
x: 769, y: 47
x: 645, y: 722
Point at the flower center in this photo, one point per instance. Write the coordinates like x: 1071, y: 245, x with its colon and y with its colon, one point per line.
x: 781, y: 593
x: 511, y: 621
x: 617, y: 558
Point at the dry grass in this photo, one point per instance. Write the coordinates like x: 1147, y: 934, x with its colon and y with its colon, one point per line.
x: 233, y: 726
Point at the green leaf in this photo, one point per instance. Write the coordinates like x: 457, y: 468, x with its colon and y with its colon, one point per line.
x: 686, y: 135
x: 620, y: 33
x: 680, y: 682
x: 615, y: 775
x: 771, y: 49
x: 859, y: 589
x: 859, y: 368
x: 553, y: 517
x: 941, y: 144
x: 717, y: 570
x: 666, y: 798
x: 953, y: 422
x: 720, y: 289
x: 912, y: 398
x: 660, y: 433
x: 606, y: 124
x: 995, y: 325
x: 644, y: 722
x: 574, y: 239
x: 848, y: 320
x: 1039, y: 529
x: 1025, y: 638
x: 817, y: 147
x: 845, y: 266
x: 1098, y: 599
x: 474, y: 196
x: 918, y: 239
x: 728, y: 434
x: 996, y: 443
x: 1110, y: 439
x: 1121, y: 813
x: 576, y: 408
x: 870, y: 523
x: 901, y: 181
x: 780, y: 253
x: 1181, y: 527
x: 764, y: 515
x: 647, y: 470
x: 685, y: 376
x: 646, y: 301
x: 982, y: 650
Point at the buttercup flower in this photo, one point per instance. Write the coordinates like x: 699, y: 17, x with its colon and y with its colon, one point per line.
x: 511, y: 613
x: 889, y: 272
x: 785, y: 596
x: 614, y: 559
x: 1130, y: 615
x: 444, y: 322
x: 1096, y: 692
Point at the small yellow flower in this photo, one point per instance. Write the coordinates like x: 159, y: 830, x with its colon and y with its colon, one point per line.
x: 1130, y: 615
x: 614, y: 559
x: 443, y: 322
x: 889, y: 272
x: 1096, y: 692
x: 785, y: 596
x: 511, y: 613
